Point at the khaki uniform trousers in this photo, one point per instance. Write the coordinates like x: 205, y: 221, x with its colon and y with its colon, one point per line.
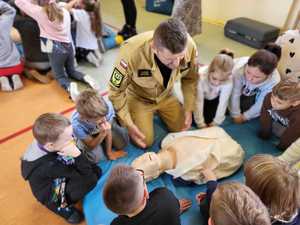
x: 142, y: 113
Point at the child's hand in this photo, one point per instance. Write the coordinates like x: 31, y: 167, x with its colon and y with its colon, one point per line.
x: 208, y: 174
x: 239, y: 119
x: 212, y: 124
x: 113, y: 155
x: 201, y: 126
x: 184, y: 204
x: 200, y: 197
x: 69, y: 150
x: 105, y: 126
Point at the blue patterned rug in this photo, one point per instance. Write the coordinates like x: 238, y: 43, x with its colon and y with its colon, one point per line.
x: 94, y: 208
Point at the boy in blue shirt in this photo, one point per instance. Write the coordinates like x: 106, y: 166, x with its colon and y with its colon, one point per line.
x: 95, y: 127
x: 58, y: 173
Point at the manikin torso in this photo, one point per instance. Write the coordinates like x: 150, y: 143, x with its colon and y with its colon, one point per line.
x: 185, y: 154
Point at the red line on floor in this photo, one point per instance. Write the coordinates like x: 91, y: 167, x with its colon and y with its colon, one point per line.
x: 26, y: 129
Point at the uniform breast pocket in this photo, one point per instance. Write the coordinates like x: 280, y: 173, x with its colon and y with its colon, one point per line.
x: 145, y: 82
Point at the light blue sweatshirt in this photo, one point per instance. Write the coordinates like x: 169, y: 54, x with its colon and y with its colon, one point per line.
x: 240, y: 83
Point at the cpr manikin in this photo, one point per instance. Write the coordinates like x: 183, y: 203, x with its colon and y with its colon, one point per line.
x: 186, y: 154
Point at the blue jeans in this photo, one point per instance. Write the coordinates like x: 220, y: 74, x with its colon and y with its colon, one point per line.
x: 62, y: 63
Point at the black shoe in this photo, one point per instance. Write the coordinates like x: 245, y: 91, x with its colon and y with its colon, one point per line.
x: 76, y: 216
x: 127, y: 31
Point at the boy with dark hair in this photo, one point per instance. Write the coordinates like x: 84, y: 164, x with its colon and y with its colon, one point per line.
x: 95, y: 127
x: 125, y: 193
x: 142, y: 81
x: 59, y: 175
x: 280, y: 113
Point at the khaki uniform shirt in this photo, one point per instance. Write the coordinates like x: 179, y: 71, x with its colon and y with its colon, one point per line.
x: 136, y: 74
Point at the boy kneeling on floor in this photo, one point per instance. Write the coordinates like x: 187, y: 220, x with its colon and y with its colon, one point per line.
x: 125, y: 193
x: 59, y: 175
x: 280, y: 113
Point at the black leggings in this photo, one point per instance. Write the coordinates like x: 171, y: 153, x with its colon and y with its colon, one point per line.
x: 129, y: 12
x: 209, y: 109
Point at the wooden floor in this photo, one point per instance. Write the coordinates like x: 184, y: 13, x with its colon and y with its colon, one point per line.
x: 18, y: 111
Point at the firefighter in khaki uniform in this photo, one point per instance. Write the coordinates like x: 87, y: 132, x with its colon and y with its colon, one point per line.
x: 143, y: 78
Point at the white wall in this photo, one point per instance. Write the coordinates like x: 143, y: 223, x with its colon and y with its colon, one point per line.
x: 273, y: 12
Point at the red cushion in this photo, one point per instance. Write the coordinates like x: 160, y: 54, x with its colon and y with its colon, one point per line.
x: 9, y: 71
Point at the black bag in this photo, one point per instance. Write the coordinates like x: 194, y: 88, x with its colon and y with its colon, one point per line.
x: 250, y: 32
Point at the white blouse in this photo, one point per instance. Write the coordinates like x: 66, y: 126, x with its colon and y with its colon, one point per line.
x: 206, y: 90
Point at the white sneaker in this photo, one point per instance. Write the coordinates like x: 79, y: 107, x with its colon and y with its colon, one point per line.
x: 91, y: 58
x: 17, y: 82
x: 91, y: 81
x: 5, y: 85
x: 73, y: 90
x: 98, y: 55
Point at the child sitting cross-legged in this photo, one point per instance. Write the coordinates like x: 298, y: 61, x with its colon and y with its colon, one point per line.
x: 281, y: 113
x: 95, y: 127
x: 126, y: 194
x: 58, y: 174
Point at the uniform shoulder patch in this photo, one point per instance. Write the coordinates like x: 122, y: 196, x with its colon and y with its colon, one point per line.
x: 123, y: 64
x: 116, y: 78
x: 144, y: 73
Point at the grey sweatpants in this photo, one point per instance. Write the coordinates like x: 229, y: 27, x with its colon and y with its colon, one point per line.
x: 120, y: 140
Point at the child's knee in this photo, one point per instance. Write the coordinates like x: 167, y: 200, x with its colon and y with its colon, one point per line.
x: 120, y: 139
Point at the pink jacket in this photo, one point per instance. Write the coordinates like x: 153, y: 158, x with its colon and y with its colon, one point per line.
x: 55, y: 30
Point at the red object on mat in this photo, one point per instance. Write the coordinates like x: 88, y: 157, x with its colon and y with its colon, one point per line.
x: 9, y: 71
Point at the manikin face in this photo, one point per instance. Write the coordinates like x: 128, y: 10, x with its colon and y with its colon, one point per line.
x: 279, y: 104
x: 149, y: 163
x: 254, y: 75
x: 167, y: 58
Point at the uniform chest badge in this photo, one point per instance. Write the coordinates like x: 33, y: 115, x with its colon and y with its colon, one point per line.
x: 144, y: 73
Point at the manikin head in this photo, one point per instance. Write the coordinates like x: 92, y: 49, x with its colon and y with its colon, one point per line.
x: 150, y: 163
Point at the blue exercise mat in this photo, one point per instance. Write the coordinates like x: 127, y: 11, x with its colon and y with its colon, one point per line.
x: 96, y: 212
